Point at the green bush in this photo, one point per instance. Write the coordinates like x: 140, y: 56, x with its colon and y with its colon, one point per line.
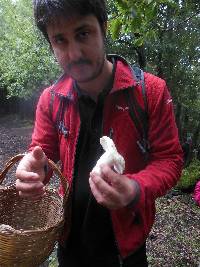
x: 190, y: 176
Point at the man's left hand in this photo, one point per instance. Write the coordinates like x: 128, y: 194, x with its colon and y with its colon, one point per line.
x: 112, y: 190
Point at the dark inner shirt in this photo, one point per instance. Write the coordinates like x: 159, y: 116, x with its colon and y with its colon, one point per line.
x: 88, y: 151
x: 91, y: 234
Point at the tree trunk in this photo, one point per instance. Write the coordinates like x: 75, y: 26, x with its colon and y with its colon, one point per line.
x: 178, y: 115
x: 141, y: 57
x: 196, y: 136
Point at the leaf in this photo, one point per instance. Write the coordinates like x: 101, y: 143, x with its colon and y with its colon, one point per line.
x: 139, y: 42
x: 115, y: 28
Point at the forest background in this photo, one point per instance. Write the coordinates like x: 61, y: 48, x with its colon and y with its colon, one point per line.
x: 161, y: 36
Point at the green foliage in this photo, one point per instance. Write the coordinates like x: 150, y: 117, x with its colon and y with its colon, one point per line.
x: 162, y: 36
x: 174, y: 56
x: 115, y: 28
x: 190, y: 175
x: 26, y: 63
x: 136, y: 18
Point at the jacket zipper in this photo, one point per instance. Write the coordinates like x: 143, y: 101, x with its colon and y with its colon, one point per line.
x: 75, y: 155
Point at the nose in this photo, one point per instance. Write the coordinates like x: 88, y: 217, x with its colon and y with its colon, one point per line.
x: 74, y: 51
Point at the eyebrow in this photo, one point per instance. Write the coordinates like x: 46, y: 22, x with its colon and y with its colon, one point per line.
x: 59, y: 35
x: 79, y: 28
x: 82, y: 27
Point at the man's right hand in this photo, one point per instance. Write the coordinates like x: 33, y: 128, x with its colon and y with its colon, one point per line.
x: 30, y: 174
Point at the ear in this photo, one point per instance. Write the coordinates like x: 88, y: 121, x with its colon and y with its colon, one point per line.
x: 104, y: 28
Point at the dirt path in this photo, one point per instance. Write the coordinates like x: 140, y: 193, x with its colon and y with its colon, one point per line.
x: 175, y: 238
x: 14, y: 139
x: 15, y: 135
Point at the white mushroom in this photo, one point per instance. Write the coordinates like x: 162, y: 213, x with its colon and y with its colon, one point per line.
x: 4, y: 228
x: 7, y: 229
x: 110, y: 157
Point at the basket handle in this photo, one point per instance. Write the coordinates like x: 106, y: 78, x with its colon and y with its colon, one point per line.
x: 53, y: 166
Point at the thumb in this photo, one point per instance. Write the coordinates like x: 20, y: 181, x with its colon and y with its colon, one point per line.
x: 38, y: 153
x: 38, y: 161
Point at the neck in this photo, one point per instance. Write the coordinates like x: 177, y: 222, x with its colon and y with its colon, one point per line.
x: 93, y: 88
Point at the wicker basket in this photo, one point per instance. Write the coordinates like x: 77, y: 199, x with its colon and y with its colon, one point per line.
x: 29, y: 229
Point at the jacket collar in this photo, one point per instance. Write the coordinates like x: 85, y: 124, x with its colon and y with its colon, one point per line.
x: 123, y: 79
x: 124, y: 76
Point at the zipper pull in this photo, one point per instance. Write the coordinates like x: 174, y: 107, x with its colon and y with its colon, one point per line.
x: 62, y: 129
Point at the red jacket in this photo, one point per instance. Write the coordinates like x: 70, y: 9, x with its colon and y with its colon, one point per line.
x: 131, y: 225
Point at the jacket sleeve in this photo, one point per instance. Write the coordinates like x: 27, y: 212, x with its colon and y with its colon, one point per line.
x: 45, y: 133
x: 166, y: 158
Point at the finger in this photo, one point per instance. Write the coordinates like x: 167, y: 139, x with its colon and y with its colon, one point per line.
x: 39, y: 159
x: 113, y: 178
x: 27, y: 176
x: 102, y: 190
x: 29, y: 187
x: 102, y: 198
x: 33, y: 161
x: 96, y: 193
x: 38, y: 153
x: 99, y: 182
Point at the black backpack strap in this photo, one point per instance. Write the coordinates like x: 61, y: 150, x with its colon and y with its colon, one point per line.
x: 59, y: 120
x: 143, y: 113
x: 63, y: 103
x: 60, y: 116
x: 137, y: 113
x: 51, y: 103
x: 52, y: 92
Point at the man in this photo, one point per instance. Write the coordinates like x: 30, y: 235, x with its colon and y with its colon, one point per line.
x: 112, y: 214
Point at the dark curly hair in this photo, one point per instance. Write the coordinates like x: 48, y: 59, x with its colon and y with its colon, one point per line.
x: 48, y: 11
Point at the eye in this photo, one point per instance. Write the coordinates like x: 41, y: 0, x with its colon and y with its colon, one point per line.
x: 83, y: 35
x: 59, y: 39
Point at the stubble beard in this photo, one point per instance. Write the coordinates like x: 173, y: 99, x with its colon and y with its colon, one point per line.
x: 84, y: 62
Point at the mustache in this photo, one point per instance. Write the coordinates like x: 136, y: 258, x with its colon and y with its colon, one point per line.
x: 79, y: 62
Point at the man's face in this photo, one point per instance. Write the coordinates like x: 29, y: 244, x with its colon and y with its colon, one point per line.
x: 78, y: 44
